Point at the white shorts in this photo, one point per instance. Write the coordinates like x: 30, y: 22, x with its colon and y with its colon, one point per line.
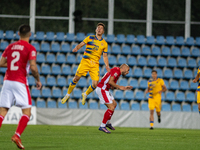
x: 17, y: 93
x: 105, y: 96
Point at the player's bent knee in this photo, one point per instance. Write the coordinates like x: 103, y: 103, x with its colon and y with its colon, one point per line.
x: 76, y: 79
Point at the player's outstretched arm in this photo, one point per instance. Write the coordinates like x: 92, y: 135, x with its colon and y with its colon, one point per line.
x: 3, y: 62
x: 105, y: 59
x: 78, y: 47
x: 196, y: 78
x: 113, y: 84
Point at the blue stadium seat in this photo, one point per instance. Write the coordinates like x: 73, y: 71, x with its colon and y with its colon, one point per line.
x: 135, y: 106
x: 110, y: 38
x: 118, y: 94
x: 43, y: 80
x: 101, y: 62
x: 136, y: 50
x: 51, y: 81
x: 190, y: 96
x: 176, y: 107
x: 66, y: 70
x: 16, y: 35
x: 33, y: 102
x: 194, y: 72
x: 60, y: 58
x: 83, y: 106
x: 36, y: 45
x: 166, y: 107
x: 139, y: 95
x: 50, y: 58
x: 195, y: 108
x: 77, y: 93
x: 109, y: 49
x: 140, y: 39
x: 1, y: 34
x: 141, y: 61
x: 64, y: 91
x: 79, y: 58
x: 189, y: 41
x: 93, y: 105
x: 142, y: 83
x: 65, y: 48
x: 74, y: 69
x: 160, y: 40
x: 31, y: 80
x: 112, y: 60
x: 186, y: 107
x: 116, y: 49
x: 146, y: 50
x: 161, y: 61
x: 70, y: 37
x: 197, y: 41
x: 193, y: 86
x: 88, y: 34
x: 144, y: 107
x: 80, y: 36
x: 132, y: 61
x: 191, y: 62
x: 180, y: 96
x: 147, y: 72
x: 178, y: 73
x: 170, y: 40
x: 129, y: 95
x: 163, y: 96
x: 40, y: 58
x: 123, y: 82
x: 159, y: 73
x: 195, y: 52
x: 3, y: 70
x: 165, y: 51
x: 150, y: 40
x: 82, y: 82
x: 32, y: 37
x: 180, y: 40
x: 182, y: 62
x: 156, y: 51
x: 102, y: 106
x: 71, y: 59
x: 171, y: 62
x: 46, y: 92
x: 173, y: 84
x: 35, y: 92
x: 120, y: 38
x: 137, y: 72
x: 169, y: 96
x: 151, y: 61
x: 55, y: 47
x: 3, y: 45
x: 130, y: 39
x: 130, y: 74
x: 56, y: 92
x: 125, y: 106
x: 61, y: 81
x: 60, y: 36
x: 176, y: 51
x: 72, y: 104
x: 126, y: 50
x: 1, y: 80
x: 166, y: 83
x: 51, y: 104
x: 121, y: 60
x: 45, y: 47
x: 188, y: 74
x: 9, y: 35
x: 41, y: 104
x: 45, y: 69
x: 50, y: 36
x: 60, y: 105
x: 56, y: 70
x: 39, y: 36
x: 133, y: 82
x: 185, y: 52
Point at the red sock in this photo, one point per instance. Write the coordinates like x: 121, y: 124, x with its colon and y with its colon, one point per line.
x: 1, y: 120
x: 107, y: 116
x: 22, y: 125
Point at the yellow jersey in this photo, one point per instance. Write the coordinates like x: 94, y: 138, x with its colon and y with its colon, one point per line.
x: 94, y: 48
x: 155, y: 86
x: 198, y: 72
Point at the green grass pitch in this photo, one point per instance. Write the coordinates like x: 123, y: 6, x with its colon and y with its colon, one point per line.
x: 43, y: 137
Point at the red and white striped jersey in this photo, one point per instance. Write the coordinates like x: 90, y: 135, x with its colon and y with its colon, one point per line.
x: 18, y: 54
x: 115, y: 72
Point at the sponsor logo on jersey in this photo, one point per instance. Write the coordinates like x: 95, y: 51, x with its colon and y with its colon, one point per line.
x: 115, y: 74
x: 33, y: 53
x: 101, y: 44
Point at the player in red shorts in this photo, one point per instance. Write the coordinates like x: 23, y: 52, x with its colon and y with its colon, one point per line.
x: 108, y: 81
x: 18, y: 57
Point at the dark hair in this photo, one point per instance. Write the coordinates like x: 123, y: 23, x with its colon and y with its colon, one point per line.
x: 24, y: 30
x: 154, y: 71
x: 101, y: 24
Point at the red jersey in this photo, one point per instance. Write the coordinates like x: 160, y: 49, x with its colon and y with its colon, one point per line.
x: 18, y: 55
x: 114, y: 72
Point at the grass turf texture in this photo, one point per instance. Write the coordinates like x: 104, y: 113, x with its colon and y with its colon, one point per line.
x: 42, y: 137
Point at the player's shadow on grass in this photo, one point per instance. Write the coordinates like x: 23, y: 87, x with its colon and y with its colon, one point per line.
x: 43, y: 147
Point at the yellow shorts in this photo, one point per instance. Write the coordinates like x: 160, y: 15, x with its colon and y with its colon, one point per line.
x: 87, y: 65
x: 155, y: 103
x: 198, y: 97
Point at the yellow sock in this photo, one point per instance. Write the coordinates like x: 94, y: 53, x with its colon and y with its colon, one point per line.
x: 151, y: 123
x: 71, y: 87
x: 89, y: 90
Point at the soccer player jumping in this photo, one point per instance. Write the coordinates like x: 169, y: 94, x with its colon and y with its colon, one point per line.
x: 109, y: 81
x: 155, y: 88
x: 18, y: 57
x: 90, y: 61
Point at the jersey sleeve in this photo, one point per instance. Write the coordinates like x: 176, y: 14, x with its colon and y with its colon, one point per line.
x: 114, y: 73
x: 162, y: 82
x: 86, y: 40
x: 148, y: 84
x: 106, y: 49
x: 5, y: 52
x: 32, y: 54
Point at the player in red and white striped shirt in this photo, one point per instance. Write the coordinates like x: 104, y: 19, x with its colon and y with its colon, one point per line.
x: 18, y: 57
x: 108, y: 81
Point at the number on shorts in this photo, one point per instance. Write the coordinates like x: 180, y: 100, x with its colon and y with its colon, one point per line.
x: 16, y: 55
